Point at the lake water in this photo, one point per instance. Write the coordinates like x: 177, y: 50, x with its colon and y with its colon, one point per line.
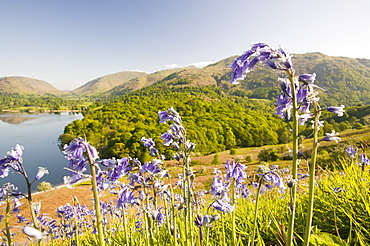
x: 38, y: 134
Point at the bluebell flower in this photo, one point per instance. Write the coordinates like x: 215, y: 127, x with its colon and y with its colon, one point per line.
x: 4, y: 168
x: 148, y: 142
x: 203, y: 220
x: 337, y: 110
x: 245, y: 192
x: 73, y: 178
x: 302, y: 118
x: 135, y: 178
x: 158, y: 216
x: 338, y: 189
x: 121, y: 168
x: 16, y: 153
x: 235, y: 171
x: 307, y: 78
x: 76, y: 153
x: 168, y: 115
x: 41, y: 172
x: 126, y: 197
x: 21, y: 218
x: 13, y: 159
x: 218, y: 186
x: 167, y: 138
x: 32, y: 232
x: 351, y: 151
x: 273, y: 179
x: 8, y: 189
x: 223, y: 206
x: 363, y: 159
x: 320, y: 124
x: 77, y: 148
x: 259, y: 52
x: 151, y: 167
x: 331, y: 137
x: 110, y: 163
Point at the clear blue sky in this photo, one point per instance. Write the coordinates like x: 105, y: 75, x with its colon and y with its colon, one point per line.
x: 70, y: 42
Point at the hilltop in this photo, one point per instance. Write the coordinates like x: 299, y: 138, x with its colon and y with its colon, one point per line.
x: 106, y: 83
x: 24, y: 85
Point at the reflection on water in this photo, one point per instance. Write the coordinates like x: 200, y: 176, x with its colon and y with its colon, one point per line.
x: 16, y: 119
x: 39, y: 136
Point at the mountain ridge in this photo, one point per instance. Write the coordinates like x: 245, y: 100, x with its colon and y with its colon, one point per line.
x: 341, y: 77
x: 25, y: 85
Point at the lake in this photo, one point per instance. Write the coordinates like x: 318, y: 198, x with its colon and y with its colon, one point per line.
x: 38, y: 134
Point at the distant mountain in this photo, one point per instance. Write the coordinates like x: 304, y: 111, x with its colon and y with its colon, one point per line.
x: 106, y: 83
x: 149, y: 79
x: 345, y: 80
x: 24, y: 85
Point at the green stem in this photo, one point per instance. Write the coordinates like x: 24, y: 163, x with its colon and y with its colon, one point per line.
x: 99, y: 221
x: 256, y: 212
x: 207, y: 236
x: 294, y: 161
x: 149, y: 227
x: 125, y: 226
x: 173, y: 218
x: 7, y: 224
x: 312, y: 167
x: 185, y: 210
x: 233, y: 225
x: 223, y: 230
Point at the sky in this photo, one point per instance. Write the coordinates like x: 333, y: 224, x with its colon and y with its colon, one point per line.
x: 68, y: 43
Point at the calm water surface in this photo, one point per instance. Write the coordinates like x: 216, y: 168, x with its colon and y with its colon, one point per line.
x: 38, y: 134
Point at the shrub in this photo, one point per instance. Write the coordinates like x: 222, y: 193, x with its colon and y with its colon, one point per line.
x: 232, y: 151
x: 44, y: 186
x: 269, y: 154
x: 216, y: 159
x: 248, y: 158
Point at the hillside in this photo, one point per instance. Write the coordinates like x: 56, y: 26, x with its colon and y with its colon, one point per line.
x: 345, y: 80
x: 106, y: 83
x: 147, y: 80
x: 24, y: 85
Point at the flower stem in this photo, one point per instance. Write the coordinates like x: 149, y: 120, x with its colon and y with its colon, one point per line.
x: 125, y: 226
x: 312, y: 167
x: 7, y: 216
x: 233, y: 225
x: 223, y: 230
x: 256, y: 211
x: 295, y: 159
x: 173, y: 218
x: 99, y: 221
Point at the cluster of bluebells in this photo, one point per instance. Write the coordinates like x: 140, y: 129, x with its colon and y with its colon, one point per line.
x: 14, y: 160
x: 77, y: 153
x: 176, y: 135
x: 270, y: 178
x: 222, y: 185
x: 352, y: 152
x: 10, y: 193
x: 280, y: 60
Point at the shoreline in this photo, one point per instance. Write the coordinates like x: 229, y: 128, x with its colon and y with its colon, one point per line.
x: 60, y: 186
